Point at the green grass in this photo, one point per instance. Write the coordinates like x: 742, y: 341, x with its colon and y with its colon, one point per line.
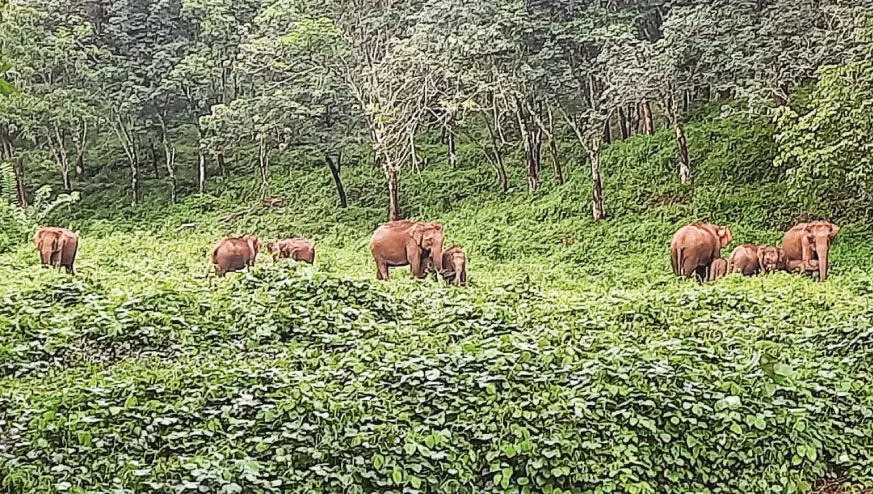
x: 574, y: 362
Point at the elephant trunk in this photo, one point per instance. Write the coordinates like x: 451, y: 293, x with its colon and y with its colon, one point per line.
x: 436, y: 253
x: 821, y: 250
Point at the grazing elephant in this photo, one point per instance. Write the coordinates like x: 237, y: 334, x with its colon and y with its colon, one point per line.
x: 809, y: 242
x: 57, y: 247
x: 718, y: 269
x: 695, y: 246
x: 744, y: 259
x: 398, y: 243
x: 298, y: 249
x: 454, y: 266
x: 771, y: 258
x: 235, y: 254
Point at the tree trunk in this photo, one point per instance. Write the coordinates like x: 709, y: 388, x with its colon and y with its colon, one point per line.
x: 527, y: 140
x: 681, y: 142
x: 623, y: 124
x: 170, y: 159
x: 263, y: 162
x: 647, y: 122
x: 596, y: 184
x: 393, y: 196
x: 335, y: 169
x: 553, y: 149
x: 81, y: 138
x: 607, y: 131
x: 684, y: 162
x: 413, y: 157
x: 58, y: 145
x: 453, y: 152
x: 201, y: 172
x: 154, y: 158
x: 633, y: 119
x: 449, y: 129
x: 128, y: 142
x: 497, y: 141
x: 20, y: 189
x: 222, y: 166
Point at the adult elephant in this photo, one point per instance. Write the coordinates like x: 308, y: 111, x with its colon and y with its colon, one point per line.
x: 403, y: 242
x: 57, y: 247
x: 808, y: 242
x: 695, y: 246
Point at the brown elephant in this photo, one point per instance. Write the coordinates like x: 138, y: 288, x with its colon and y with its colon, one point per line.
x: 695, y: 246
x: 454, y: 266
x: 235, y: 254
x: 809, y: 242
x: 771, y: 258
x: 744, y: 259
x: 403, y: 242
x: 718, y: 269
x: 57, y: 247
x: 298, y: 249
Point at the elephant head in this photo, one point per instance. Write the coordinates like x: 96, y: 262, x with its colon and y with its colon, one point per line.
x: 820, y: 235
x: 254, y: 244
x: 430, y: 237
x: 771, y: 258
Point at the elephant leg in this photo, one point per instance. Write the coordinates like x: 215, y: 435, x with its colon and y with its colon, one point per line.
x: 689, y: 268
x: 415, y: 263
x: 701, y: 274
x: 381, y: 270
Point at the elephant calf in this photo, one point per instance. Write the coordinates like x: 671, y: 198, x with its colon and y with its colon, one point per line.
x: 718, y: 269
x: 298, y: 249
x: 235, y: 254
x: 752, y: 259
x: 57, y: 247
x: 454, y: 266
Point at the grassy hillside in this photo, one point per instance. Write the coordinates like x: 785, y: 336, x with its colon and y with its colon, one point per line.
x: 574, y: 362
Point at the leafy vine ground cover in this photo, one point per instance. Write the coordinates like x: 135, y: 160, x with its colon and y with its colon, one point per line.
x: 546, y: 375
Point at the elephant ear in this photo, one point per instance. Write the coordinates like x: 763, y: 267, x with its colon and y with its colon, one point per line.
x: 725, y: 236
x: 761, y: 258
x: 417, y: 233
x: 834, y: 231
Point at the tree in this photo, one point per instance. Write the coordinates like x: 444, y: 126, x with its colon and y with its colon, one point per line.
x: 826, y: 145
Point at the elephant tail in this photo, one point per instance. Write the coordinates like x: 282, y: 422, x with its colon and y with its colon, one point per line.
x: 676, y: 258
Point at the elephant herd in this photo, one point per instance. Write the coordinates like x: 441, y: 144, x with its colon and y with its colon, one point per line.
x: 696, y: 252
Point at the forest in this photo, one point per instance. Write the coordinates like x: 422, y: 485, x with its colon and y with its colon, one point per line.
x: 559, y: 144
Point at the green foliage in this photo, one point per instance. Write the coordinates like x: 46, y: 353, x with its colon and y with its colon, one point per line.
x: 825, y: 144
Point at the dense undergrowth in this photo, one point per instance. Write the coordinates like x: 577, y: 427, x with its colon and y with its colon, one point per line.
x: 574, y: 362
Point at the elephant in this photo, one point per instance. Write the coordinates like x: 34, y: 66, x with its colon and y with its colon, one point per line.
x: 695, y: 246
x: 402, y: 242
x: 744, y: 259
x: 454, y: 265
x: 809, y: 242
x: 718, y: 269
x: 771, y: 258
x: 298, y: 249
x: 57, y: 247
x: 235, y: 254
